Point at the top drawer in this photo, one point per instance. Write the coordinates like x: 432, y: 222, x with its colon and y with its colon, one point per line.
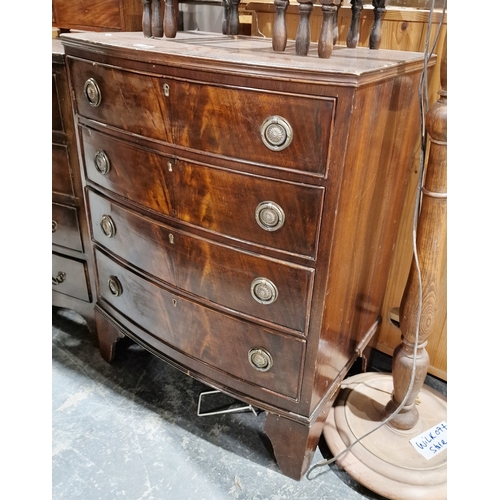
x: 276, y: 129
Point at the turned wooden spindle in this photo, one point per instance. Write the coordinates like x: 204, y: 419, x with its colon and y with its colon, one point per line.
x: 353, y: 33
x: 146, y: 18
x: 156, y: 20
x: 375, y: 34
x: 329, y: 29
x: 225, y: 16
x: 303, y: 37
x: 170, y: 19
x: 279, y: 27
x: 233, y: 21
x: 431, y: 251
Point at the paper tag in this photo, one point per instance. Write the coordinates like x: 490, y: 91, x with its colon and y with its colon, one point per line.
x: 431, y: 442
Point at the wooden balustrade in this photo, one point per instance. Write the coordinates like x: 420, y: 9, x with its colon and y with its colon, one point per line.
x: 170, y: 18
x: 353, y: 33
x: 153, y: 27
x: 329, y: 28
x: 279, y: 28
x: 378, y: 12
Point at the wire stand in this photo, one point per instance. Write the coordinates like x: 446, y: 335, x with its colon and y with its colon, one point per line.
x: 221, y: 412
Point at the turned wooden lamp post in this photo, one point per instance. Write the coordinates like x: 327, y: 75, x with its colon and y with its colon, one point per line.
x: 384, y: 460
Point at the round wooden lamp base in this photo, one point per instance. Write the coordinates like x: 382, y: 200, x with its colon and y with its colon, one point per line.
x: 385, y: 461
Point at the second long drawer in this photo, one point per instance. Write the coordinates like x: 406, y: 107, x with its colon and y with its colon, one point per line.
x: 274, y: 213
x: 265, y: 289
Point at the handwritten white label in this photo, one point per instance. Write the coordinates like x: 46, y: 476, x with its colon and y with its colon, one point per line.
x: 431, y: 442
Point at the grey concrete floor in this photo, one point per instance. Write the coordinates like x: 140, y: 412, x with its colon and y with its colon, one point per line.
x: 130, y: 430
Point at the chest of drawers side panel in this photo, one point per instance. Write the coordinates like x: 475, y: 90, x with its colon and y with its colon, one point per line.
x: 379, y: 157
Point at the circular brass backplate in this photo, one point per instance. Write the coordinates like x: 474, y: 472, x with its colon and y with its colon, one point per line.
x: 264, y: 291
x: 260, y: 359
x: 269, y: 216
x: 101, y: 162
x: 115, y: 287
x: 276, y: 133
x: 108, y: 226
x: 92, y: 92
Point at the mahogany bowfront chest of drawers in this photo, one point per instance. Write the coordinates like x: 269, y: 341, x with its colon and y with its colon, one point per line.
x: 72, y: 279
x: 243, y: 208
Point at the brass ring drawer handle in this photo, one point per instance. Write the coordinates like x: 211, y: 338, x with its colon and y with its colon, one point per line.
x: 269, y: 216
x: 260, y: 359
x: 59, y: 278
x: 264, y: 291
x: 101, y: 162
x: 108, y: 226
x: 276, y: 133
x: 54, y: 226
x: 115, y: 287
x: 92, y: 92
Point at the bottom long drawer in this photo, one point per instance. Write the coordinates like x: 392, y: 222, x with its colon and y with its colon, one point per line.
x: 239, y: 348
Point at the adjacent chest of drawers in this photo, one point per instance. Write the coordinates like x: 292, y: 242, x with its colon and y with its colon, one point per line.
x: 72, y: 277
x: 243, y: 208
x: 97, y: 15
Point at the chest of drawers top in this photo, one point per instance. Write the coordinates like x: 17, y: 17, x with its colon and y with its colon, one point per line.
x: 246, y: 56
x: 231, y: 98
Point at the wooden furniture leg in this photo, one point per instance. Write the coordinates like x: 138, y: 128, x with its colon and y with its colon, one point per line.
x: 107, y: 336
x: 375, y: 34
x: 156, y: 20
x: 353, y: 33
x: 294, y: 443
x: 279, y: 27
x: 329, y: 29
x: 303, y: 37
x: 146, y: 18
x: 170, y: 19
x: 225, y: 16
x: 233, y: 21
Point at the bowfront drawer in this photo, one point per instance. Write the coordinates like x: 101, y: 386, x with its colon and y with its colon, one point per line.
x: 281, y: 215
x: 261, y: 288
x: 239, y: 348
x: 271, y: 128
x: 65, y: 228
x: 69, y: 277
